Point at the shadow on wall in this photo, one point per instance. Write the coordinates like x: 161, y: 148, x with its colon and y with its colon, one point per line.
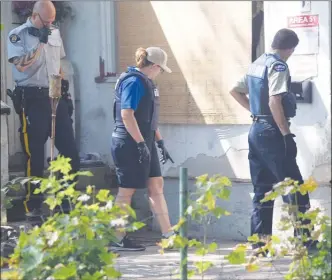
x: 200, y: 81
x: 65, y: 27
x: 184, y: 106
x: 205, y: 68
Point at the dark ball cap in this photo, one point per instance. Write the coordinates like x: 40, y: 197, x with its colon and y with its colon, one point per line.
x: 285, y: 39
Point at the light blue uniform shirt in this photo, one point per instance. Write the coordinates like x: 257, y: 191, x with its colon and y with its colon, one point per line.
x: 37, y: 74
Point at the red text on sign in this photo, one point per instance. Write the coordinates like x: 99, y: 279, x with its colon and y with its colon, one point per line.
x: 303, y: 21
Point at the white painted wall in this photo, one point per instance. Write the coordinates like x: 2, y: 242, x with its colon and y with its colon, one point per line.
x: 312, y: 125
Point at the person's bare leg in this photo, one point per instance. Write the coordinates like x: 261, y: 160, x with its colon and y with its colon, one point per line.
x: 122, y: 199
x: 158, y: 203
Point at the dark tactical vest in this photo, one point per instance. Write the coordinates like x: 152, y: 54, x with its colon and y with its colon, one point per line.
x: 259, y: 88
x: 147, y: 113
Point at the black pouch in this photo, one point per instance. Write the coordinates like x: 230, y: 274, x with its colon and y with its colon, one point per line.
x: 16, y: 97
x: 66, y: 95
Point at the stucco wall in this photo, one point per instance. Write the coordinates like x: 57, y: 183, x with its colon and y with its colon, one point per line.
x: 4, y: 149
x: 93, y: 114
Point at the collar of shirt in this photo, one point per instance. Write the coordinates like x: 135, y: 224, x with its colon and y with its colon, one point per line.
x: 276, y: 55
x: 29, y: 23
x: 133, y: 69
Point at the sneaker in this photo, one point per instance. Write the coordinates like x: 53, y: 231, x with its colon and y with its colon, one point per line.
x: 126, y: 245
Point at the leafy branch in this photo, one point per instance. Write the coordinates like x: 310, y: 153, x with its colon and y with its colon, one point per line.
x: 305, y: 264
x: 74, y: 245
x: 208, y: 192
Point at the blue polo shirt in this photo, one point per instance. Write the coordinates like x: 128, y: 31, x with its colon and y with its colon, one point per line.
x: 132, y: 89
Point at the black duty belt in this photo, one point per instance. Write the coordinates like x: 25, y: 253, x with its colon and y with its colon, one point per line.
x: 264, y: 118
x: 120, y: 132
x: 33, y: 92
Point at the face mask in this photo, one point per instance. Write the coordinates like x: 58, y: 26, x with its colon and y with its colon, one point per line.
x: 34, y: 31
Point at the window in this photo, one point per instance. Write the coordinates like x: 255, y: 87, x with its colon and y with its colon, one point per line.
x: 107, y: 63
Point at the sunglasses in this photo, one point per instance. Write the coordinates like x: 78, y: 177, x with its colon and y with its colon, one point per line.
x: 45, y: 23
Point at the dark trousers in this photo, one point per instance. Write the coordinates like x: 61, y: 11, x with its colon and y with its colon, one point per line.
x: 268, y: 166
x: 36, y: 124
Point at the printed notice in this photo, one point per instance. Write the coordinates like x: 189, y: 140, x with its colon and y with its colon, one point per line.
x: 307, y: 29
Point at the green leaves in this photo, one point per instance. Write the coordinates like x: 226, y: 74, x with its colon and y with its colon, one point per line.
x: 137, y: 225
x: 102, y: 195
x: 32, y: 257
x: 75, y: 245
x: 65, y: 272
x: 208, y: 194
x: 238, y: 256
x: 203, y: 266
x: 219, y: 212
x: 112, y: 273
x: 254, y: 238
x: 61, y: 164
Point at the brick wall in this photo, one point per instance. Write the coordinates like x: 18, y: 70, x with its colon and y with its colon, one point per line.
x: 209, y: 47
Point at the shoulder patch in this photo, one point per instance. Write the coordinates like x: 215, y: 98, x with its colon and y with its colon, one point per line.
x: 14, y: 38
x: 279, y: 67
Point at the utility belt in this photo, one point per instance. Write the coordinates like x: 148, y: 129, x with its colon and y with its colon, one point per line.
x: 264, y: 118
x: 32, y: 92
x: 20, y: 94
x: 122, y: 133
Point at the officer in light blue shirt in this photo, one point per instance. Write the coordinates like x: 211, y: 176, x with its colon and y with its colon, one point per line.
x: 34, y: 50
x: 22, y: 41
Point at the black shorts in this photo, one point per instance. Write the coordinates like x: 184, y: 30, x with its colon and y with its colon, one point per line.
x: 130, y: 173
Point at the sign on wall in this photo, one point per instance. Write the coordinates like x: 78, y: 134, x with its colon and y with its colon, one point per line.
x: 307, y: 29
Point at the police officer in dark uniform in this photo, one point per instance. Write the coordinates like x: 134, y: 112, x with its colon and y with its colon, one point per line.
x: 272, y: 149
x: 35, y: 49
x: 136, y: 112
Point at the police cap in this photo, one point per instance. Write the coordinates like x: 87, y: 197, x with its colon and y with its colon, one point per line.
x: 285, y: 39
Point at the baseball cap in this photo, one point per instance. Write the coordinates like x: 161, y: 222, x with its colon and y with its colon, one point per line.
x: 159, y: 57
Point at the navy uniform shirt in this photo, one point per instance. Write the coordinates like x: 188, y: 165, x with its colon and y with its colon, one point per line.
x: 20, y: 42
